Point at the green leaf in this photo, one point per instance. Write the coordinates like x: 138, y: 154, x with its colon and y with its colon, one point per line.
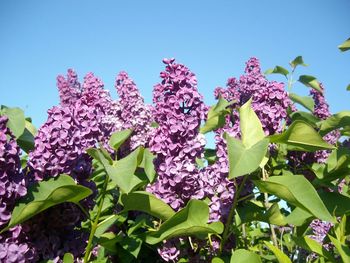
x: 305, y: 101
x: 302, y: 137
x: 217, y: 260
x: 68, y: 258
x: 251, y: 128
x: 298, y: 217
x: 297, y: 61
x: 253, y: 212
x: 244, y: 256
x: 344, y: 250
x: 104, y: 225
x: 118, y: 138
x: 306, y: 117
x: 345, y: 46
x: 336, y: 121
x: 148, y: 203
x: 281, y: 257
x: 46, y: 194
x: 216, y: 116
x: 122, y: 172
x: 191, y: 220
x: 313, y: 246
x: 310, y: 81
x: 16, y: 120
x: 336, y: 203
x: 147, y: 165
x: 298, y: 191
x: 348, y: 87
x: 278, y: 70
x: 243, y: 160
x: 26, y: 140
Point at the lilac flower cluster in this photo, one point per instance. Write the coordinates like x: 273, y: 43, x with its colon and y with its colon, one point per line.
x: 14, y: 246
x: 134, y: 114
x: 86, y: 116
x: 178, y: 110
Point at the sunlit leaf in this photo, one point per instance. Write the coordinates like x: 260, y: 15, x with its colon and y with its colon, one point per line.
x: 310, y: 81
x: 298, y: 191
x: 278, y: 70
x: 302, y: 136
x: 46, y: 194
x: 148, y: 203
x: 16, y: 120
x: 118, y: 138
x: 345, y: 46
x: 189, y: 221
x: 242, y: 256
x: 281, y: 257
x: 297, y: 61
x: 305, y: 101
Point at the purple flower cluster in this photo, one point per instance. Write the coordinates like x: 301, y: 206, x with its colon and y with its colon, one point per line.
x: 86, y: 116
x: 178, y: 110
x: 269, y: 99
x: 134, y: 114
x: 13, y: 243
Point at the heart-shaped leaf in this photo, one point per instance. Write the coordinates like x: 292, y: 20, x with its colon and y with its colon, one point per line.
x: 191, y: 220
x: 302, y: 137
x: 243, y: 160
x: 46, y: 194
x: 298, y: 191
x: 310, y: 81
x: 148, y: 203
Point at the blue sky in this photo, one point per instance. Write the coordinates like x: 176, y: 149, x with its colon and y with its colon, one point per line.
x: 41, y: 39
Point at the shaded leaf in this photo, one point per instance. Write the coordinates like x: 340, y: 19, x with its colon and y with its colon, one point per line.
x: 313, y: 246
x: 148, y: 203
x: 46, y: 194
x: 298, y: 191
x: 344, y: 250
x: 298, y: 217
x: 310, y: 81
x: 191, y: 220
x: 302, y: 137
x: 306, y: 117
x: 26, y: 140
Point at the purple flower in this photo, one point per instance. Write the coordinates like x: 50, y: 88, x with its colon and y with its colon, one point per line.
x: 13, y: 243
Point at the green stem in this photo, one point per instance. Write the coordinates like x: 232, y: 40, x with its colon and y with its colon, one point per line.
x: 95, y: 223
x: 267, y: 205
x: 227, y: 233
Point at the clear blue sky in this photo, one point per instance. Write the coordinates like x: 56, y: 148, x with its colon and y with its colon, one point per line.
x: 41, y: 39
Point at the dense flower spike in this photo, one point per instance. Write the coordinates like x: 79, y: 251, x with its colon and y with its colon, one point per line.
x: 178, y: 110
x: 13, y: 244
x: 134, y: 113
